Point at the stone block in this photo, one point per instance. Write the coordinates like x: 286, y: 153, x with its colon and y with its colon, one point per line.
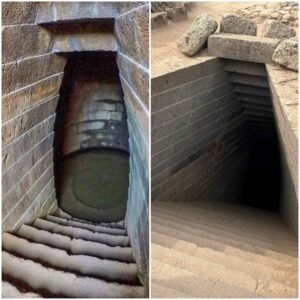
x: 277, y: 30
x: 135, y: 23
x: 233, y: 23
x: 286, y: 54
x: 245, y: 67
x: 46, y: 88
x: 137, y: 77
x: 18, y: 13
x: 251, y: 90
x: 185, y: 74
x: 15, y: 103
x: 159, y: 19
x: 24, y: 122
x: 35, y: 41
x: 51, y: 12
x: 195, y: 38
x: 84, y: 41
x: 124, y: 7
x: 27, y: 71
x: 242, y: 47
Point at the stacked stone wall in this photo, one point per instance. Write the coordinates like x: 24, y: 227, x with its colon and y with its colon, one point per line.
x: 199, y: 135
x: 31, y: 78
x: 133, y: 63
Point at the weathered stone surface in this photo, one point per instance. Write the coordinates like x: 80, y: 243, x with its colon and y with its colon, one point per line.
x: 286, y: 54
x: 18, y: 13
x: 134, y: 24
x: 50, y: 12
x: 177, y: 14
x: 233, y: 23
x: 124, y: 7
x: 196, y: 36
x: 84, y: 41
x: 277, y: 30
x: 27, y: 71
x: 136, y: 75
x: 242, y: 47
x: 35, y: 41
x: 159, y: 19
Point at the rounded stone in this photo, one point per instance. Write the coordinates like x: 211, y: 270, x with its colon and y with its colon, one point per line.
x: 233, y: 23
x: 286, y: 54
x: 277, y: 30
x: 195, y: 38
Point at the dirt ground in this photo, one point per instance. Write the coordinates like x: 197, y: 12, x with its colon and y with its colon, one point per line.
x: 164, y: 52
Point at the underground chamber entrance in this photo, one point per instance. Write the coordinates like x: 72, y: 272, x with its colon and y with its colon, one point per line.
x: 91, y: 140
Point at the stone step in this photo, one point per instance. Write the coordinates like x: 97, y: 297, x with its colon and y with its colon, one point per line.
x: 10, y: 291
x: 40, y: 278
x: 76, y: 246
x: 252, y: 80
x: 204, y: 239
x: 236, y: 279
x: 195, y: 226
x: 64, y: 215
x: 254, y: 99
x: 158, y: 290
x: 91, y: 227
x: 245, y: 67
x: 232, y: 220
x: 258, y: 113
x: 84, y: 234
x: 255, y: 106
x: 251, y: 90
x: 59, y: 259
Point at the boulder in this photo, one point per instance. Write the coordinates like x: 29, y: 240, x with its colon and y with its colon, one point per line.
x: 286, y: 54
x: 277, y: 30
x: 177, y: 14
x: 233, y: 23
x: 195, y: 38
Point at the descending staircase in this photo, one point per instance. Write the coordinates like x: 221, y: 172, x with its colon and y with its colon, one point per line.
x: 221, y: 250
x: 61, y: 256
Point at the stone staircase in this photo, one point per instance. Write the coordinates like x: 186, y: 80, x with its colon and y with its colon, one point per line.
x: 65, y: 257
x: 221, y: 250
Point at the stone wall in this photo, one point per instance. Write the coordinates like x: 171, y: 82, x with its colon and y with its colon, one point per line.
x: 133, y: 63
x: 91, y: 112
x: 31, y: 78
x: 199, y: 135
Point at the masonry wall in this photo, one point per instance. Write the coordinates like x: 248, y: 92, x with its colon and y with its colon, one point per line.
x: 199, y: 135
x: 133, y: 63
x: 31, y: 77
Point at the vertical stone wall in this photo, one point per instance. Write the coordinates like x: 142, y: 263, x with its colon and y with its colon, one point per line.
x: 31, y: 77
x: 133, y: 63
x: 91, y: 111
x: 199, y: 135
x: 284, y: 92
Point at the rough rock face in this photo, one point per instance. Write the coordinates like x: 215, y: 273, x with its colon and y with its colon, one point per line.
x: 233, y: 23
x: 277, y: 30
x: 195, y: 38
x: 286, y: 54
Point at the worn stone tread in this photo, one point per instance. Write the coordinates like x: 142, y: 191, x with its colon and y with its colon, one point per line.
x: 64, y: 283
x: 10, y: 291
x: 79, y: 233
x: 76, y: 246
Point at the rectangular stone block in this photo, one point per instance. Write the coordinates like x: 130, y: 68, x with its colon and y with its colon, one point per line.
x: 24, y: 122
x: 29, y: 70
x: 136, y: 75
x: 18, y: 12
x: 251, y: 90
x: 242, y: 47
x: 35, y: 41
x: 135, y: 23
x: 199, y: 68
x: 249, y: 80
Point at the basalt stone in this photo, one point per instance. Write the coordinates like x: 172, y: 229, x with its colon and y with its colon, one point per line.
x: 195, y: 38
x: 233, y: 23
x: 286, y: 54
x: 277, y: 30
